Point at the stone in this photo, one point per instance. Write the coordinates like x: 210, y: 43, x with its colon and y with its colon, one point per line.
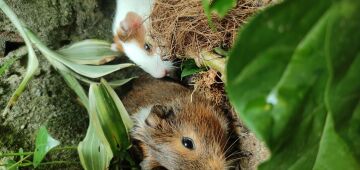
x: 47, y: 100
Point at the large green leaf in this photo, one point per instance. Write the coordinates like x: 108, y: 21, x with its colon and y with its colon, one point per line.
x: 117, y: 83
x: 293, y: 79
x: 33, y: 62
x: 90, y: 71
x: 93, y: 153
x: 43, y: 144
x: 113, y: 120
x: 109, y: 124
x: 89, y: 52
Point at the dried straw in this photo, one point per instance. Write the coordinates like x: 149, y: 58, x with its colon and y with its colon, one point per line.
x: 183, y: 29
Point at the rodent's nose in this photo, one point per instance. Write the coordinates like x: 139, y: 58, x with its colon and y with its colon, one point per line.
x: 167, y: 72
x: 161, y: 73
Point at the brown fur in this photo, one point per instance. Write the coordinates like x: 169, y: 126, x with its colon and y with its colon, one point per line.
x: 175, y: 114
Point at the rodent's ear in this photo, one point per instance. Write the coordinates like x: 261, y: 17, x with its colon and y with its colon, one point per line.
x: 131, y: 23
x: 163, y: 112
x: 159, y: 113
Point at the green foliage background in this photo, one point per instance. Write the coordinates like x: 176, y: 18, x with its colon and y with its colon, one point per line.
x: 293, y: 77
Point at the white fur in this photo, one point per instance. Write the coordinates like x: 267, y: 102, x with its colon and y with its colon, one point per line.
x: 152, y: 64
x: 141, y: 7
x: 140, y: 116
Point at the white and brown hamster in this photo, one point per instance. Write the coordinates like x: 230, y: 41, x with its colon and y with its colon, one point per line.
x: 176, y: 129
x: 131, y: 36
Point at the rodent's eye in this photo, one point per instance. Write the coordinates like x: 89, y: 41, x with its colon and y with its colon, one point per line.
x: 147, y: 47
x: 188, y: 143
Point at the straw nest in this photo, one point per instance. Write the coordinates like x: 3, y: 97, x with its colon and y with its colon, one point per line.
x: 183, y: 29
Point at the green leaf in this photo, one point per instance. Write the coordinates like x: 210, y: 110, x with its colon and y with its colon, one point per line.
x: 90, y: 51
x: 85, y: 70
x: 293, y: 79
x: 93, y: 153
x: 94, y: 71
x: 110, y: 113
x: 220, y: 7
x: 76, y: 86
x: 117, y: 83
x: 221, y: 51
x: 213, y: 61
x: 11, y: 165
x: 188, y: 67
x: 33, y: 62
x: 43, y: 144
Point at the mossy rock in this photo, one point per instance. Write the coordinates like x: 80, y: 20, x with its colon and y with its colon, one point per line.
x: 47, y: 100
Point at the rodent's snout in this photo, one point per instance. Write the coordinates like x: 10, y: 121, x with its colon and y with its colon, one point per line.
x: 163, y: 73
x: 216, y: 164
x: 167, y: 72
x: 160, y: 68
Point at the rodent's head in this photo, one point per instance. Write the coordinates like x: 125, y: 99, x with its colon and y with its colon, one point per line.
x: 132, y: 39
x: 183, y: 136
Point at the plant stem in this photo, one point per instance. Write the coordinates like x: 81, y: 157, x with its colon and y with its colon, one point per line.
x: 15, y: 154
x: 14, y: 165
x: 67, y: 148
x: 50, y: 163
x: 30, y: 153
x: 213, y: 61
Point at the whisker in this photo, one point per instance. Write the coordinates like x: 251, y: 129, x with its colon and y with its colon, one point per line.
x: 236, y: 153
x: 227, y: 140
x: 228, y: 167
x: 177, y: 62
x: 234, y: 160
x: 175, y: 67
x: 232, y: 144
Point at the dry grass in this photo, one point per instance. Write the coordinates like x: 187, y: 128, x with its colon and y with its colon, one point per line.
x: 182, y: 27
x: 182, y: 30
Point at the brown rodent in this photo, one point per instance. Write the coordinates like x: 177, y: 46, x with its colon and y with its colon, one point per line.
x: 176, y: 129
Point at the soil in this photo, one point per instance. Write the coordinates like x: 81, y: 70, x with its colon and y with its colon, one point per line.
x: 47, y: 100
